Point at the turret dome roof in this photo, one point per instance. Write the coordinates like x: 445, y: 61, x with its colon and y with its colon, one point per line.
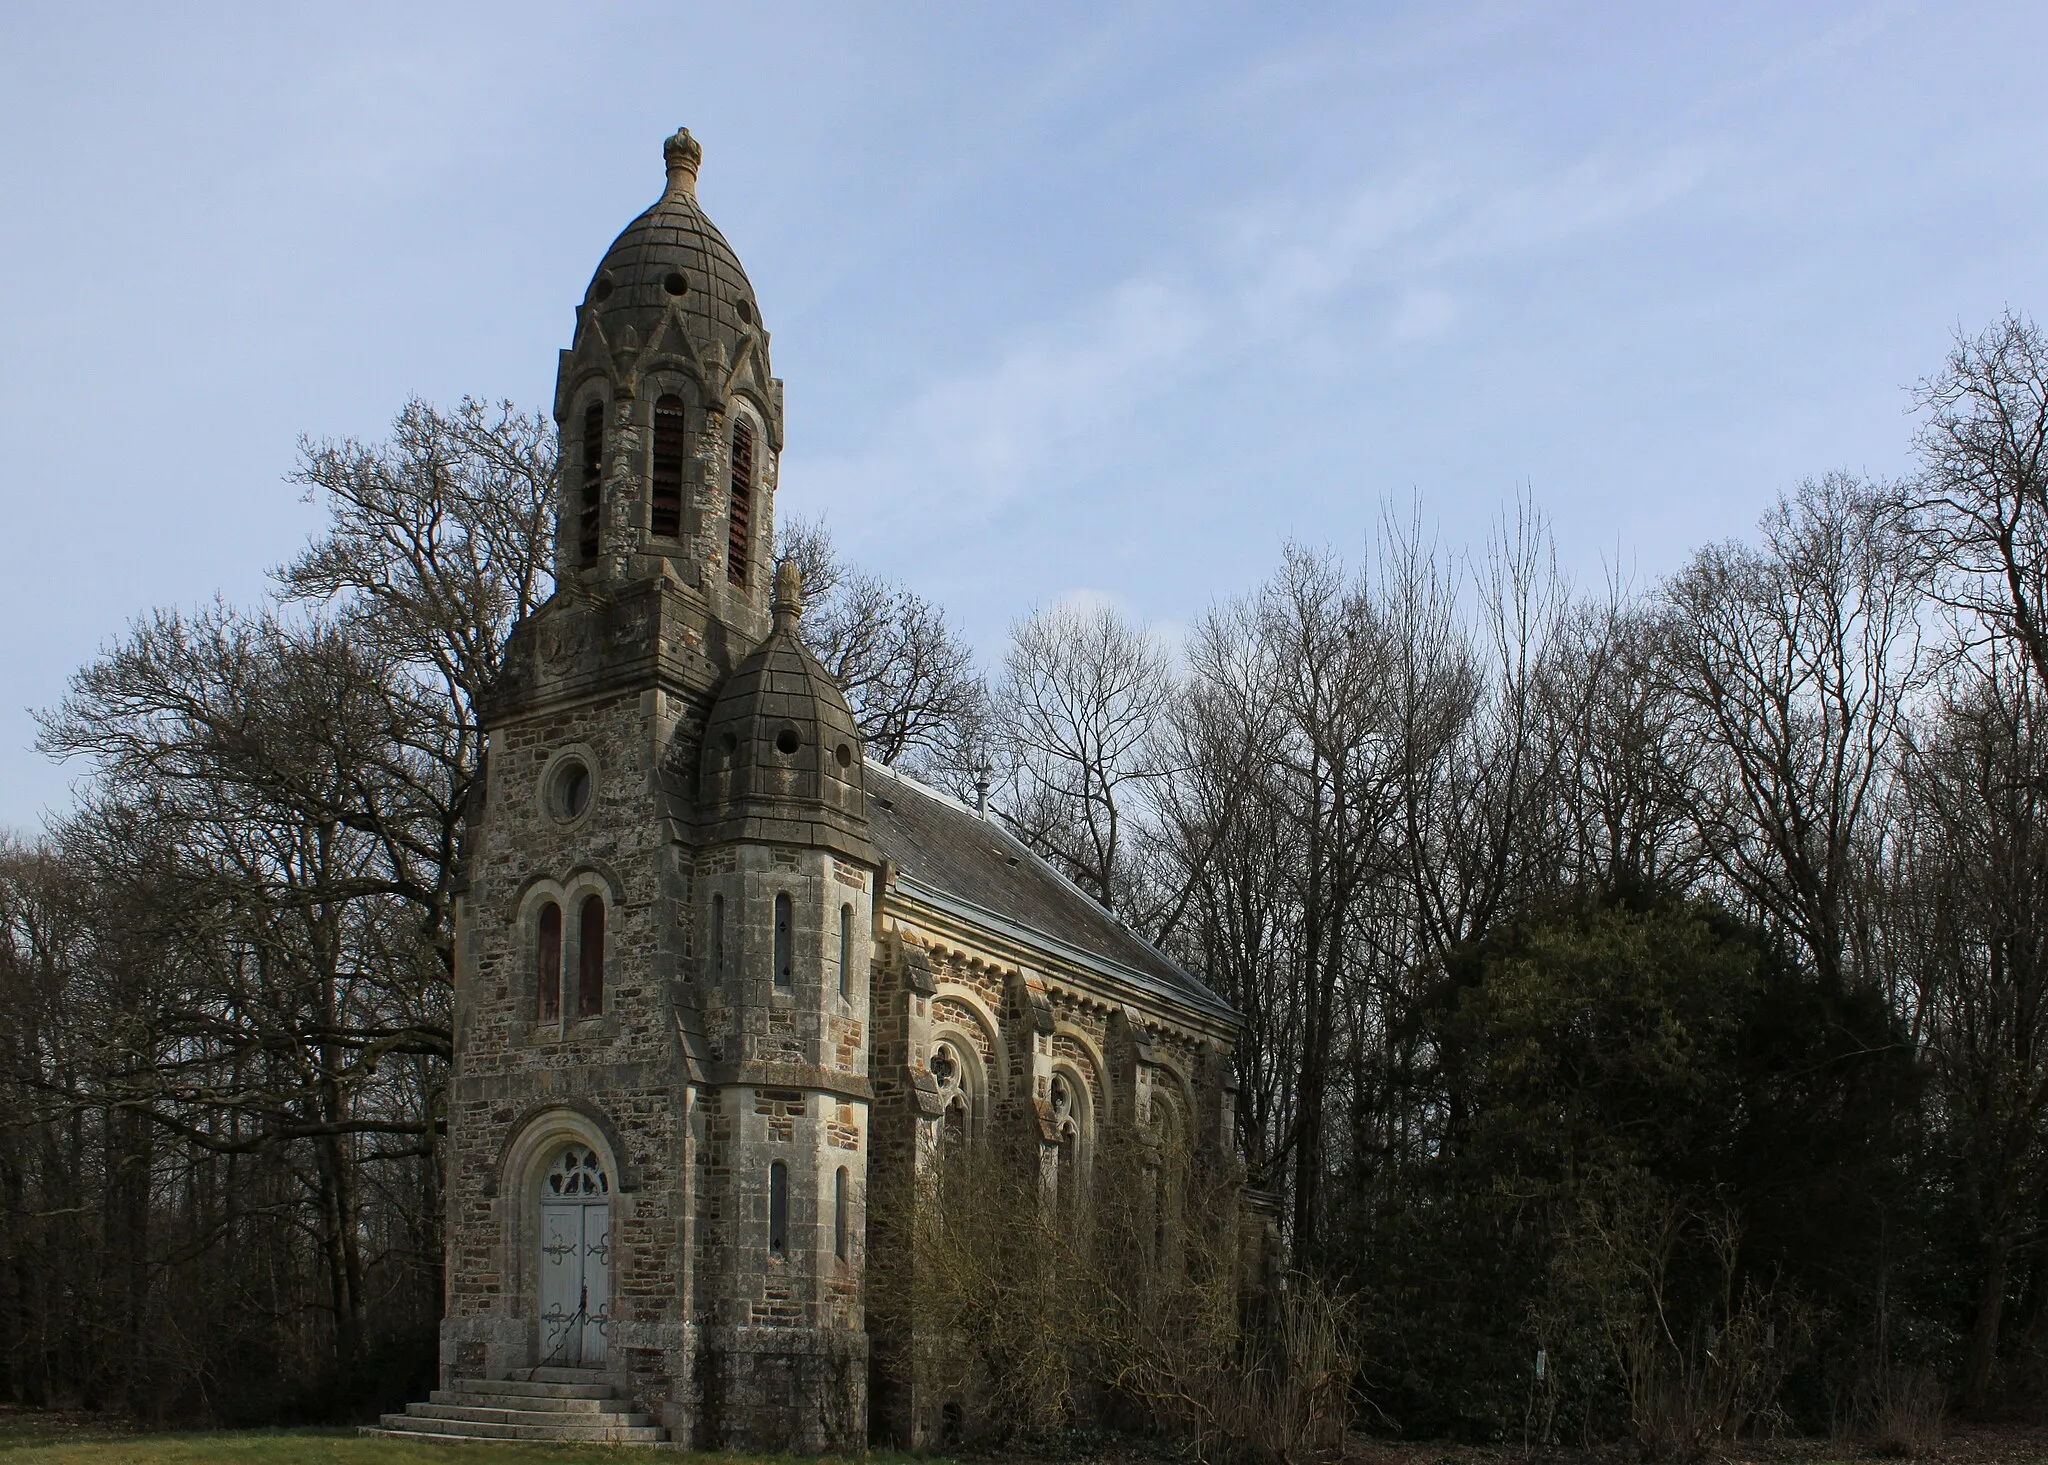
x: 673, y: 255
x: 782, y: 759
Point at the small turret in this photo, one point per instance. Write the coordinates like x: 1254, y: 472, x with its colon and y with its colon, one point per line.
x: 782, y: 760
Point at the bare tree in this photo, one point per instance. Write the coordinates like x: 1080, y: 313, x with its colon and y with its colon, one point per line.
x: 438, y: 542
x: 1486, y: 832
x: 907, y: 674
x: 1083, y: 695
x: 1629, y: 765
x: 1982, y: 495
x: 1795, y: 660
x: 1969, y: 911
x: 261, y: 825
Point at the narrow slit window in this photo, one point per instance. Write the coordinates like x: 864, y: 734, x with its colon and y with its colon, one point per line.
x: 846, y: 951
x: 840, y: 1219
x: 666, y: 476
x: 590, y: 958
x: 548, y: 963
x: 588, y: 511
x: 785, y: 973
x: 717, y: 955
x: 778, y: 1209
x: 740, y: 520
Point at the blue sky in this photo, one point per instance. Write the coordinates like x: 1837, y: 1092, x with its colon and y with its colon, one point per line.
x: 1094, y: 299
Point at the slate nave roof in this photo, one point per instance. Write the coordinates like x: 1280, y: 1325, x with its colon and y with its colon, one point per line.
x: 948, y: 851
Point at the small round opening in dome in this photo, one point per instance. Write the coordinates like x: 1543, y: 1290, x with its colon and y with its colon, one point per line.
x: 844, y: 754
x: 728, y: 745
x: 675, y: 284
x: 746, y: 310
x: 787, y: 741
x: 602, y: 290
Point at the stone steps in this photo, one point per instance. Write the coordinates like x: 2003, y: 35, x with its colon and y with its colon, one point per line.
x: 520, y: 1399
x: 562, y: 1404
x: 537, y: 1388
x: 487, y: 1413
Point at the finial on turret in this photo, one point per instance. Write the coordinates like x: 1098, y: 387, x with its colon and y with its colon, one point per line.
x: 682, y: 154
x: 789, y: 594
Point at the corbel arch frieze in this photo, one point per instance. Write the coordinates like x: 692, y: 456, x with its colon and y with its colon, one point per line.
x: 944, y: 955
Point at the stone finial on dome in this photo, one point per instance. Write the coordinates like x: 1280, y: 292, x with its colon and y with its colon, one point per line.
x: 682, y: 154
x: 789, y: 594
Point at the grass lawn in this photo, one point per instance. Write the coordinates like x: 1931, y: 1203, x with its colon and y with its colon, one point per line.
x: 62, y: 1439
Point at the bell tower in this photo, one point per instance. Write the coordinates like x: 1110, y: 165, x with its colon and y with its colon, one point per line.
x: 658, y: 1117
x: 669, y: 413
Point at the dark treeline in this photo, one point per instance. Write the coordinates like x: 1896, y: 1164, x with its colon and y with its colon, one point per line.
x: 1646, y: 994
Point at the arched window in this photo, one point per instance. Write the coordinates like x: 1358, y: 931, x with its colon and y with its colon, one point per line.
x: 590, y: 958
x: 666, y: 475
x: 778, y: 1209
x: 785, y: 943
x: 840, y: 1219
x: 1171, y: 1180
x: 846, y: 951
x: 547, y: 978
x: 1067, y: 1180
x: 951, y: 1076
x: 740, y: 519
x: 590, y: 508
x: 716, y: 961
x: 1067, y: 1167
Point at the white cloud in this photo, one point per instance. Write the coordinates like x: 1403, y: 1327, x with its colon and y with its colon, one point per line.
x: 968, y: 445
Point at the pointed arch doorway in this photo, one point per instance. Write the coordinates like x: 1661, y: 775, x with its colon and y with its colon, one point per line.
x: 575, y: 1260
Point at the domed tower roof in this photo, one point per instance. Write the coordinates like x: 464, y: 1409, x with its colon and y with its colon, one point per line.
x: 782, y: 759
x: 672, y: 255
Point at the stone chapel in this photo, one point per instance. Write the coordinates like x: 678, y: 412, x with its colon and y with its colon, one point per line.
x: 718, y: 974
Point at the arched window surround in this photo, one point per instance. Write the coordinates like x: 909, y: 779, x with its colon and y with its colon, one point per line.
x: 966, y: 1021
x: 782, y: 963
x: 842, y: 1214
x: 569, y: 896
x: 536, y: 1143
x: 546, y: 947
x: 592, y: 921
x: 718, y: 940
x: 848, y: 944
x: 583, y: 477
x: 668, y: 463
x: 778, y: 1209
x: 967, y: 1091
x: 746, y: 453
x: 1075, y: 1125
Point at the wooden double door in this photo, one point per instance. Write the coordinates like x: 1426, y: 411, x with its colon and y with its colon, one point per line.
x: 575, y: 1260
